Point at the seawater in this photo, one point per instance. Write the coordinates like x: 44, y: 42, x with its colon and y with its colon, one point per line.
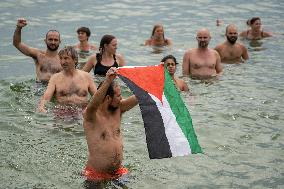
x: 238, y: 118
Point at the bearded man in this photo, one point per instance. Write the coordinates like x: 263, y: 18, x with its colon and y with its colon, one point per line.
x: 202, y: 62
x: 47, y: 62
x: 232, y: 51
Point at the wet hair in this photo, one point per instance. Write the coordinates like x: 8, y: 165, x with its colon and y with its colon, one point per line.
x: 110, y: 90
x: 51, y: 31
x: 155, y: 28
x: 169, y: 57
x: 106, y: 39
x: 252, y: 20
x: 84, y: 29
x: 70, y: 51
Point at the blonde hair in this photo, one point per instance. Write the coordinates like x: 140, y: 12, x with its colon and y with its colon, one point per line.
x: 70, y: 51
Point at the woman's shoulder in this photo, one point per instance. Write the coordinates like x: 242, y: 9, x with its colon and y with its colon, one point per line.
x: 244, y: 33
x: 148, y: 42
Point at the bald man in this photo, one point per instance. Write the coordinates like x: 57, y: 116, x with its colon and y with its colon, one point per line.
x: 202, y: 62
x: 232, y: 51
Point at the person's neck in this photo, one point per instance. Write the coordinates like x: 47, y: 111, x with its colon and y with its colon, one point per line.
x: 107, y: 55
x: 70, y: 71
x: 230, y: 44
x: 83, y: 45
x: 51, y: 53
x: 202, y: 49
x: 255, y: 32
x: 158, y: 39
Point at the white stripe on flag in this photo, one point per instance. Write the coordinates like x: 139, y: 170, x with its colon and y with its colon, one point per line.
x: 177, y: 141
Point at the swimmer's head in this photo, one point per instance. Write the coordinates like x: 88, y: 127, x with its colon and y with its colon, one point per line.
x: 252, y: 20
x: 170, y: 62
x: 84, y: 30
x: 52, y: 40
x: 232, y: 33
x: 158, y: 30
x: 106, y: 40
x: 203, y: 37
x: 69, y: 51
x: 113, y: 95
x: 169, y: 57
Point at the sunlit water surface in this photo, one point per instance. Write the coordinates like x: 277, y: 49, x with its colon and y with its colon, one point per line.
x: 238, y: 118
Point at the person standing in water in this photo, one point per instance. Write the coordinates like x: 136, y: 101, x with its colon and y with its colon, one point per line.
x: 106, y: 58
x: 232, y: 51
x: 47, y: 61
x: 170, y: 62
x: 102, y: 120
x: 202, y: 62
x: 158, y: 37
x: 70, y: 86
x: 84, y: 48
x: 255, y: 32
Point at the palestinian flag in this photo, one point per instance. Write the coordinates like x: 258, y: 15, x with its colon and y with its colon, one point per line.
x: 167, y: 122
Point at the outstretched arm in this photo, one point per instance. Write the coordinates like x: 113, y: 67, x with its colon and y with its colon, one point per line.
x: 17, y: 41
x: 47, y: 94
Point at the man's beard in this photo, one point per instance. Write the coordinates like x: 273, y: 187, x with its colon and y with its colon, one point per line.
x: 112, y: 108
x: 52, y: 49
x: 232, y: 40
x: 203, y: 44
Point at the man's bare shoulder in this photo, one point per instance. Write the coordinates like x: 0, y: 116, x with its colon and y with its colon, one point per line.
x: 220, y: 46
x: 84, y: 74
x: 239, y: 44
x: 191, y: 51
x: 215, y: 52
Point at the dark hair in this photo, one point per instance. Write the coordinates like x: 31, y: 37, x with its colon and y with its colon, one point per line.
x: 154, y: 29
x: 169, y: 57
x: 110, y: 90
x: 52, y: 31
x: 252, y: 20
x: 230, y: 25
x: 106, y: 39
x: 84, y: 29
x: 70, y: 51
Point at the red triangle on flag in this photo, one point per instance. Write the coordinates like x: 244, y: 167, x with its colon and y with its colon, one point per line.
x: 149, y: 78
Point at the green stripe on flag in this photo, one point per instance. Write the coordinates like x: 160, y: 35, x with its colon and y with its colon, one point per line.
x: 180, y: 111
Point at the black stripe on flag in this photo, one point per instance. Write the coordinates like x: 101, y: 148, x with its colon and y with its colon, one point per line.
x: 157, y: 142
